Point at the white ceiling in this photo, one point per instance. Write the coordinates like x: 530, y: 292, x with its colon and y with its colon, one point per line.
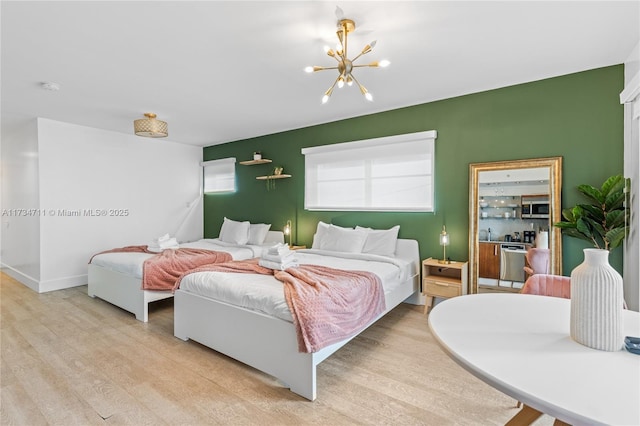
x: 219, y: 71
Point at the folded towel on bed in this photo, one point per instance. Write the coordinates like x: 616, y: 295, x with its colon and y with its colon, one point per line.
x: 279, y: 249
x: 281, y: 258
x: 162, y: 243
x: 279, y: 266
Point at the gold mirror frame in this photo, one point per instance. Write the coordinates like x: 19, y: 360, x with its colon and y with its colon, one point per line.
x: 555, y: 185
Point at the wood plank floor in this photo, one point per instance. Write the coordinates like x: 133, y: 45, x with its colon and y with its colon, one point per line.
x: 68, y: 359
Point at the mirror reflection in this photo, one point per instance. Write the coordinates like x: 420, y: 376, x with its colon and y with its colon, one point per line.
x: 513, y: 207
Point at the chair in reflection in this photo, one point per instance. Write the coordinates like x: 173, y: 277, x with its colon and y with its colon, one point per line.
x: 548, y: 285
x: 537, y: 261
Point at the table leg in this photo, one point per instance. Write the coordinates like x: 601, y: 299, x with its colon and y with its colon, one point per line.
x: 427, y: 304
x: 526, y: 416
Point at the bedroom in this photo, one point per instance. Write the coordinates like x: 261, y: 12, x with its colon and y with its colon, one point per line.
x: 571, y: 115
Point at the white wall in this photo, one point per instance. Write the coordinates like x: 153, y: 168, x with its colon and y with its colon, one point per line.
x: 100, y: 189
x: 631, y: 97
x: 19, y: 245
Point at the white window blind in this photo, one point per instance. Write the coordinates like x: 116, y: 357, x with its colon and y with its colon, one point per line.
x: 220, y: 175
x: 385, y: 174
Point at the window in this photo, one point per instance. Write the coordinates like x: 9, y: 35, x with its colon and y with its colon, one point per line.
x: 385, y: 174
x: 220, y: 175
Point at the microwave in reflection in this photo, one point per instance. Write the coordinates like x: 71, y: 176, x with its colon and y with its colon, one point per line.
x: 535, y: 209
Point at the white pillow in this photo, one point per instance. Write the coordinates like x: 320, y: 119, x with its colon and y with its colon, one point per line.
x: 343, y: 239
x: 258, y: 233
x: 234, y: 232
x: 321, y: 231
x: 381, y: 241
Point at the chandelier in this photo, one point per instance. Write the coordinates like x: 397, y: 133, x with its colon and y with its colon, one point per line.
x: 150, y: 127
x: 345, y: 65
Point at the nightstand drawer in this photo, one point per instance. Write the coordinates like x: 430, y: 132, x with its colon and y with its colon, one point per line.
x: 441, y: 288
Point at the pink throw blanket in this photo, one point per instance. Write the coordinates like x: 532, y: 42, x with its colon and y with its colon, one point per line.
x: 129, y: 249
x: 328, y: 305
x: 161, y: 271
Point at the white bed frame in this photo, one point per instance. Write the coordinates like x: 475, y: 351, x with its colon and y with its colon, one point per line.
x: 267, y: 343
x: 125, y: 291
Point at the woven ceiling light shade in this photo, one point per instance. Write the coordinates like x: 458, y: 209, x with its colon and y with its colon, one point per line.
x: 150, y: 127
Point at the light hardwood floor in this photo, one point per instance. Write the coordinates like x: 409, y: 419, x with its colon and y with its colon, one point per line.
x: 68, y: 359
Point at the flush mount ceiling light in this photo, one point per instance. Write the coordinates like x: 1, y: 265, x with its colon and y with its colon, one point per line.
x: 150, y: 127
x: 345, y: 65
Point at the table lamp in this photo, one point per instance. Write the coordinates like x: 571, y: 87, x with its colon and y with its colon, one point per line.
x: 287, y: 231
x: 444, y: 242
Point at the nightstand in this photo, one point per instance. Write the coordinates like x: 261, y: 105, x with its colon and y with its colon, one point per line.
x: 297, y: 247
x: 443, y: 280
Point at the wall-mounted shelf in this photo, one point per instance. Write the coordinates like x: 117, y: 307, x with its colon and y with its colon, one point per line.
x: 254, y: 162
x: 273, y: 177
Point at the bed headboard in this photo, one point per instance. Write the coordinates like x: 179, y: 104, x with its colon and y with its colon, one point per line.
x: 274, y: 237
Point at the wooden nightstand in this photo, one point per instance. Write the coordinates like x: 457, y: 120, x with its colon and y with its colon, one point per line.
x: 297, y: 247
x: 443, y: 280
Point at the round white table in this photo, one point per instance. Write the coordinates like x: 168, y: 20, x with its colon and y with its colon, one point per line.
x: 520, y: 345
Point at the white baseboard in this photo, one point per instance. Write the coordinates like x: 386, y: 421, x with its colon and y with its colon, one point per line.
x: 28, y: 281
x: 43, y: 286
x: 61, y: 283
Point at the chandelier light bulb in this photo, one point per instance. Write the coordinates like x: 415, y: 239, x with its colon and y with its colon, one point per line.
x: 340, y: 83
x: 349, y: 80
x: 325, y: 99
x: 368, y: 96
x: 308, y: 69
x: 384, y: 63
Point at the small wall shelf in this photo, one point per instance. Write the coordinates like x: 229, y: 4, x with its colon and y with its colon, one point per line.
x: 254, y: 162
x: 273, y: 177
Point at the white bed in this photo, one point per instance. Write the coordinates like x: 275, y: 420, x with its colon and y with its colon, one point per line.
x: 117, y: 277
x: 261, y: 334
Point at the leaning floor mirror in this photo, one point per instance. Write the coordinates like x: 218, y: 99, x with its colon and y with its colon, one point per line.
x: 512, y: 208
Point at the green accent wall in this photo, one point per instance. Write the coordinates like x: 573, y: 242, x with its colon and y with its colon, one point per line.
x: 577, y: 116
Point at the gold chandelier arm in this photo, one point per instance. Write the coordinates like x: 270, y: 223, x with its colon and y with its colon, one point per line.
x: 374, y: 64
x: 328, y: 93
x: 334, y: 55
x: 365, y: 50
x: 363, y: 89
x: 316, y: 68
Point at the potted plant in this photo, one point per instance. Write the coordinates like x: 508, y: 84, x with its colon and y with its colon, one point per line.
x: 603, y: 221
x: 596, y: 287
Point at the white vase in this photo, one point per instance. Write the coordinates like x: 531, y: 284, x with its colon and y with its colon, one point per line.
x: 596, y: 302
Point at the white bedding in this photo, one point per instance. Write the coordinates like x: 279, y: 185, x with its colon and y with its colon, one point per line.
x: 130, y: 263
x: 263, y: 293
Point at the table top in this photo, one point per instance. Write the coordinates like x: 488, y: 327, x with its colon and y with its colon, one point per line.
x: 520, y: 345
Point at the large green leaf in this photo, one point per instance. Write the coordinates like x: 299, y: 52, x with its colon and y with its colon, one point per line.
x: 584, y: 227
x: 592, y: 192
x: 593, y: 212
x: 616, y: 236
x: 614, y: 200
x: 572, y: 232
x: 613, y: 184
x: 615, y: 219
x: 565, y: 225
